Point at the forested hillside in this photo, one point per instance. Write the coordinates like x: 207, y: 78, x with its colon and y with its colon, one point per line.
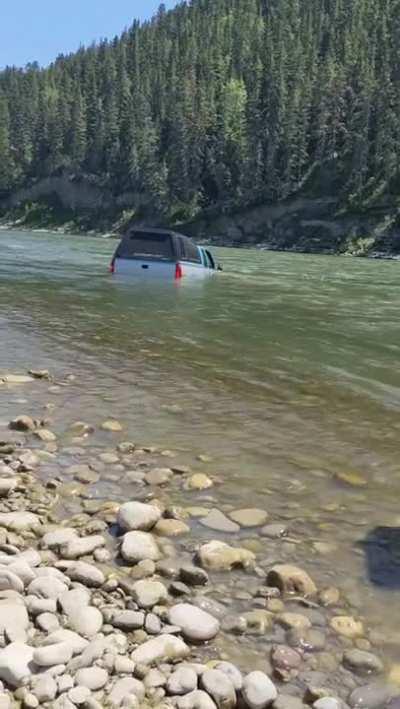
x: 219, y: 102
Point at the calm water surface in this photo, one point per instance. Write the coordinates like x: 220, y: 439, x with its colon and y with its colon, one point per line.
x: 284, y: 368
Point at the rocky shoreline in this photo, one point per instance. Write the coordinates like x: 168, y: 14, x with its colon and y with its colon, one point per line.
x: 116, y: 603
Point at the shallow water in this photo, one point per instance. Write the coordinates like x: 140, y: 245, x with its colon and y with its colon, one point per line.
x: 284, y: 369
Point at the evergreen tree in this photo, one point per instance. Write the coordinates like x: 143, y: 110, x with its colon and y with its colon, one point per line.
x: 215, y: 102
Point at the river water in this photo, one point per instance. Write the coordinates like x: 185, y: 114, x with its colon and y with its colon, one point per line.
x: 284, y: 370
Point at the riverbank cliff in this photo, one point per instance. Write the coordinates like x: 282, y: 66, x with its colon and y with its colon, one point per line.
x: 303, y: 223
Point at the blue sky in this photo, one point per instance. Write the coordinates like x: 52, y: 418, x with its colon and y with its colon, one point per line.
x: 38, y: 30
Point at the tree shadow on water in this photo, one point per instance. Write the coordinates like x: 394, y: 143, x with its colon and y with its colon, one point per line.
x: 382, y: 553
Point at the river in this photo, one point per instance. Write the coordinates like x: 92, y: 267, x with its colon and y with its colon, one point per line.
x: 283, y: 369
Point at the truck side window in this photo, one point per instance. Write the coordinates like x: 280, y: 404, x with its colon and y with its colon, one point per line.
x: 210, y: 260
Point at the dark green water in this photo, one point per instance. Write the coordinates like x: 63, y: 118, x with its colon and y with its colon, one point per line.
x: 284, y: 368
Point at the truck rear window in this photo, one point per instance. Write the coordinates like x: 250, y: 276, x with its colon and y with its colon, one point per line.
x: 146, y: 245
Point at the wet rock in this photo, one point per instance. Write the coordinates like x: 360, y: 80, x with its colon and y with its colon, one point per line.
x: 80, y: 428
x: 291, y: 579
x: 394, y: 674
x: 285, y: 701
x: 158, y: 476
x: 124, y: 688
x: 328, y: 703
x: 274, y: 531
x: 164, y: 648
x: 182, y: 681
x: 50, y: 655
x: 136, y: 516
x: 93, y: 678
x: 218, y: 685
x: 85, y: 475
x: 295, y: 621
x: 258, y: 621
x: 235, y: 624
x: 87, y: 574
x: 82, y: 546
x: 219, y: 522
x: 16, y: 379
x: 285, y: 661
x: 232, y: 672
x: 128, y: 620
x: 393, y: 703
x: 126, y: 447
x: 329, y: 596
x: 210, y: 605
x: 351, y: 478
x: 258, y: 691
x: 143, y: 569
x: 196, y: 700
x: 193, y: 575
x: 39, y: 373
x: 219, y: 556
x: 372, y: 696
x: 111, y: 426
x: 85, y: 621
x: 249, y: 517
x: 171, y: 528
x: 198, y: 481
x: 58, y: 537
x: 361, y: 662
x: 177, y: 588
x: 22, y: 423
x: 19, y: 521
x: 45, y: 435
x: 16, y: 663
x: 196, y: 624
x: 138, y: 546
x: 347, y: 626
x: 102, y: 556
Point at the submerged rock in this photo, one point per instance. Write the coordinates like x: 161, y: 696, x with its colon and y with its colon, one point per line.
x: 198, y: 481
x: 258, y: 691
x: 219, y: 556
x: 22, y: 423
x: 219, y: 522
x: 291, y: 579
x: 361, y: 662
x: 347, y: 626
x: 249, y: 517
x: 112, y: 426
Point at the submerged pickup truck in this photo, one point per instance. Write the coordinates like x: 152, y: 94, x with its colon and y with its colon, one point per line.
x: 163, y: 254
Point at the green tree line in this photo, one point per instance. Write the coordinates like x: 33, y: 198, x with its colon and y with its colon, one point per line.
x: 217, y: 101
